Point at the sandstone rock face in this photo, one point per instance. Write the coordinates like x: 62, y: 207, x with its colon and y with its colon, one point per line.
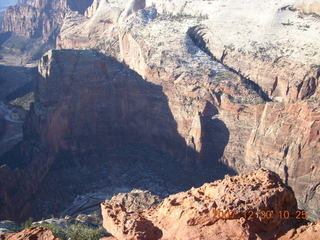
x: 191, y: 214
x: 40, y: 17
x: 198, y: 88
x: 286, y: 140
x: 39, y: 233
x: 132, y: 7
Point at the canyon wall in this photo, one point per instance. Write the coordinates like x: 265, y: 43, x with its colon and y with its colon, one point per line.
x: 280, y: 137
x: 93, y: 103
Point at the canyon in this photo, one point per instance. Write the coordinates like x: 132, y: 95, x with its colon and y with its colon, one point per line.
x: 158, y: 95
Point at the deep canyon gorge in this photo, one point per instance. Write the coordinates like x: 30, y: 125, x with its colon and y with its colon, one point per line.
x: 100, y: 97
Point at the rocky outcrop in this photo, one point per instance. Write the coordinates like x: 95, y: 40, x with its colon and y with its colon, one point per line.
x: 136, y: 200
x: 39, y: 233
x: 233, y: 208
x: 311, y: 231
x: 132, y: 7
x: 293, y: 80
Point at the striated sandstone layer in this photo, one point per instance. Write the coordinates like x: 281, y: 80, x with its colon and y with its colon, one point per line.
x: 38, y: 233
x: 40, y: 18
x: 191, y: 214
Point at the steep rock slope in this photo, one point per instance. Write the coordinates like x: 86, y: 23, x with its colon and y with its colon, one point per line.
x: 103, y: 105
x: 93, y: 104
x: 286, y: 140
x: 311, y: 231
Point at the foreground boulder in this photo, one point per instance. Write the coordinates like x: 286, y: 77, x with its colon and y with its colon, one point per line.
x: 311, y: 231
x: 38, y: 233
x: 248, y: 206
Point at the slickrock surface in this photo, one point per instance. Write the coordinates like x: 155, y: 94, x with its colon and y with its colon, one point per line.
x: 190, y: 215
x: 38, y: 233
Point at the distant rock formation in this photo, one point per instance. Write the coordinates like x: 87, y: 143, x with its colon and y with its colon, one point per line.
x: 35, y: 24
x: 248, y: 206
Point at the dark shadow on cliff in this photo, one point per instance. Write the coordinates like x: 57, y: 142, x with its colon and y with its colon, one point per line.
x: 16, y: 81
x: 119, y: 132
x: 4, y: 36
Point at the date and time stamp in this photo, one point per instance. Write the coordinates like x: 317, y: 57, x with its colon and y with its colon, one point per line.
x: 260, y: 214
